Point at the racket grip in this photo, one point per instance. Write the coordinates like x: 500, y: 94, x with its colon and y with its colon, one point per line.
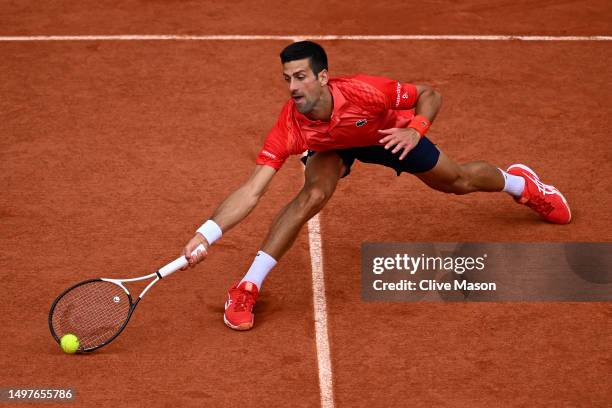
x: 179, y: 263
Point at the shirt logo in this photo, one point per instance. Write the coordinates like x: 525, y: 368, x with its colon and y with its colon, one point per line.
x: 361, y: 122
x: 398, y: 92
x: 268, y: 154
x: 405, y: 96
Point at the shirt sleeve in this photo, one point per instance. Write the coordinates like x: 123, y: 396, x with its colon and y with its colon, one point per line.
x: 398, y: 96
x: 275, y: 150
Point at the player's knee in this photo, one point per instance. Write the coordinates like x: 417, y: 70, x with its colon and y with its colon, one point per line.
x: 313, y: 198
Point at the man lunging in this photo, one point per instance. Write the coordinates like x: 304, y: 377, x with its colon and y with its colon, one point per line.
x: 337, y: 121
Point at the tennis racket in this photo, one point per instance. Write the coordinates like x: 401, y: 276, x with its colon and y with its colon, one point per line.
x: 97, y: 310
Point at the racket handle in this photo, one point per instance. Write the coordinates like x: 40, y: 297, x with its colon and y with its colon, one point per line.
x: 179, y: 263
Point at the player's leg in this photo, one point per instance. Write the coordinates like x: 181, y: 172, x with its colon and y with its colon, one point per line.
x: 436, y: 169
x: 519, y: 181
x: 451, y: 177
x: 323, y: 170
x: 440, y: 172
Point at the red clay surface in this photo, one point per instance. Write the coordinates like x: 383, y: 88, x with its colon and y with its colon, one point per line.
x: 99, y: 179
x: 503, y: 103
x: 541, y: 17
x: 112, y: 153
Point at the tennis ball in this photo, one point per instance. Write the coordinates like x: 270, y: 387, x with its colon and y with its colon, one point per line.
x: 69, y: 343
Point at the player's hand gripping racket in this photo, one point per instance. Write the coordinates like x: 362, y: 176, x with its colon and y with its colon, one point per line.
x: 97, y: 310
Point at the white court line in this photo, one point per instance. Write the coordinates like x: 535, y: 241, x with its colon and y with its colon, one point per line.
x: 326, y: 387
x: 300, y: 37
x: 320, y: 313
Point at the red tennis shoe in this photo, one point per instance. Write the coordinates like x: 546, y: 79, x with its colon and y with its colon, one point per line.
x: 239, y: 306
x: 544, y: 199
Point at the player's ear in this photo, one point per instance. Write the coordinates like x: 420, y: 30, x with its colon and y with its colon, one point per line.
x: 323, y: 77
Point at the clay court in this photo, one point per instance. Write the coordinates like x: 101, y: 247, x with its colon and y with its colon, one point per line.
x: 113, y: 150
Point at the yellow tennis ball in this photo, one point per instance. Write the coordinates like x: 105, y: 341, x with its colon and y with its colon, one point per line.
x: 69, y: 343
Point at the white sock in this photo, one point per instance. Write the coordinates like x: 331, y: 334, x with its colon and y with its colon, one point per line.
x: 514, y: 185
x: 261, y: 266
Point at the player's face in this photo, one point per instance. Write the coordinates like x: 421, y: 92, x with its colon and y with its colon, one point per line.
x: 305, y: 88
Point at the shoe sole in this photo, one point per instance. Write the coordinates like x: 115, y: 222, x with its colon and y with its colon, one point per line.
x: 533, y: 173
x: 240, y: 327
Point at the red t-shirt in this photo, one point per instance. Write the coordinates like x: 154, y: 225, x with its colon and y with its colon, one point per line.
x: 362, y: 106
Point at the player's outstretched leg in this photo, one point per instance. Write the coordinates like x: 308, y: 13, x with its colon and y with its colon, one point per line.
x: 519, y: 181
x: 323, y: 170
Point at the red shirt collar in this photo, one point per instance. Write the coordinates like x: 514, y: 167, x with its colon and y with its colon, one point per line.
x: 338, y: 100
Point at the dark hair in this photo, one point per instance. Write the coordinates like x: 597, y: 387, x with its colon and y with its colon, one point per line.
x: 306, y: 49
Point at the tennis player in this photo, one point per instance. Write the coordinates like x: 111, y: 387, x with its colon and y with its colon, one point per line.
x: 333, y: 122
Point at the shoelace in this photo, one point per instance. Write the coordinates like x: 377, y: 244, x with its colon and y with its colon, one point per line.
x: 244, y: 298
x: 542, y: 188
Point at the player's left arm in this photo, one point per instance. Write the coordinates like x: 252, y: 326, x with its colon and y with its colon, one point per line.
x: 428, y: 103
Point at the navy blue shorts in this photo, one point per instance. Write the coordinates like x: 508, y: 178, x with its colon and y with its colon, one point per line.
x: 423, y: 157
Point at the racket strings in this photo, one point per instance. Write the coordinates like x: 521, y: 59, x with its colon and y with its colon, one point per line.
x: 94, y: 312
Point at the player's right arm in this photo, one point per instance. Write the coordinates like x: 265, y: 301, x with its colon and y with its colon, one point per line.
x: 280, y: 142
x: 243, y: 200
x: 234, y: 208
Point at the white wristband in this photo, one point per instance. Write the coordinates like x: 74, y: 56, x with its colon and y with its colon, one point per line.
x: 211, y: 231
